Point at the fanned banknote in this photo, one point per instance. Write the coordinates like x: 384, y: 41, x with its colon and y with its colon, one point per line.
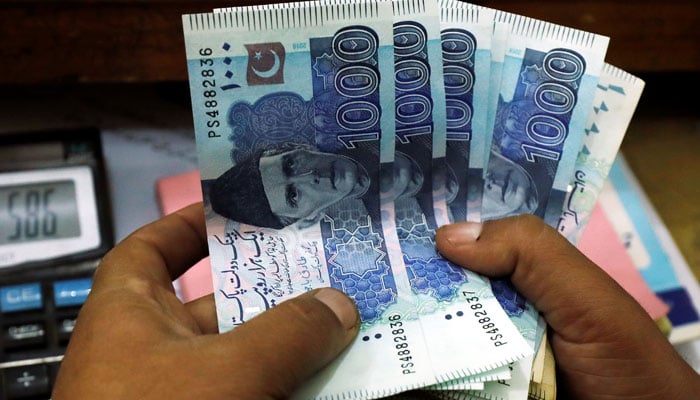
x: 440, y: 288
x: 546, y: 85
x: 616, y: 98
x: 514, y: 387
x: 288, y: 120
x: 420, y: 128
x: 501, y: 31
x: 292, y: 107
x: 334, y: 137
x: 437, y: 284
x: 467, y: 32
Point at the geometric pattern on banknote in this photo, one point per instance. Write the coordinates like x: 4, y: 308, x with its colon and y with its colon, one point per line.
x: 511, y: 301
x: 347, y: 217
x: 282, y: 117
x: 428, y: 273
x: 357, y: 264
x: 614, y: 88
x: 531, y: 129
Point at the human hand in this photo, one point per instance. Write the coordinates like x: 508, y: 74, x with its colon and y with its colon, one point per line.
x: 604, y: 343
x: 134, y: 339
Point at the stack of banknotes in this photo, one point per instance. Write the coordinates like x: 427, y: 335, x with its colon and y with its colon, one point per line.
x: 335, y: 137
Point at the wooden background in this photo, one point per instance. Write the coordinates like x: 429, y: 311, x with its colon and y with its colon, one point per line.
x: 128, y: 40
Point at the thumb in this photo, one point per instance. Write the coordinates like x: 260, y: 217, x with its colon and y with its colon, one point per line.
x: 281, y: 348
x: 561, y: 282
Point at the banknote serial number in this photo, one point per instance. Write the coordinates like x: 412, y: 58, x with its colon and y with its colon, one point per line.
x: 209, y: 93
x: 400, y: 339
x: 483, y: 318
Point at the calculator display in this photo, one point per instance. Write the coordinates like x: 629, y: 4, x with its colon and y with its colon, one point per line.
x: 47, y: 214
x: 39, y: 211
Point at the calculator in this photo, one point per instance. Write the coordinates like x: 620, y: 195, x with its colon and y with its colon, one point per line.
x: 55, y: 226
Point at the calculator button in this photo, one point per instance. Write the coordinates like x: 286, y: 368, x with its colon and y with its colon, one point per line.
x: 53, y: 372
x: 71, y: 292
x: 27, y: 381
x: 20, y: 297
x: 24, y: 335
x: 64, y: 327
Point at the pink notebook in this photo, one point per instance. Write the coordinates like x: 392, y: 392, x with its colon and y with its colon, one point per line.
x: 175, y: 192
x: 602, y: 245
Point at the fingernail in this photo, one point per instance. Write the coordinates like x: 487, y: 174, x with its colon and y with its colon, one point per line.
x: 461, y: 233
x: 342, y: 306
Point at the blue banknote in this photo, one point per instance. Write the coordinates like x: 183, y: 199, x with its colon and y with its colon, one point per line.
x: 546, y: 91
x: 466, y: 32
x: 290, y: 105
x: 547, y: 81
x: 294, y: 120
x: 527, y: 141
x: 501, y: 32
x: 419, y: 165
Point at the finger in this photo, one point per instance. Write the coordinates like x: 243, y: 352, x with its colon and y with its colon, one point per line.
x: 543, y: 266
x: 158, y: 252
x: 289, y: 343
x: 203, y: 310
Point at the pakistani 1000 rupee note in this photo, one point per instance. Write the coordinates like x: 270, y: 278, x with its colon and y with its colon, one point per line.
x: 547, y: 81
x: 420, y: 128
x: 616, y: 98
x: 549, y: 77
x: 289, y: 107
x: 514, y: 388
x: 501, y: 31
x: 446, y: 293
x: 292, y: 109
x: 467, y: 30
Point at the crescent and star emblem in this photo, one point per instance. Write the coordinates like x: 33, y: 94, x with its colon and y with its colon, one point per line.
x: 270, y: 72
